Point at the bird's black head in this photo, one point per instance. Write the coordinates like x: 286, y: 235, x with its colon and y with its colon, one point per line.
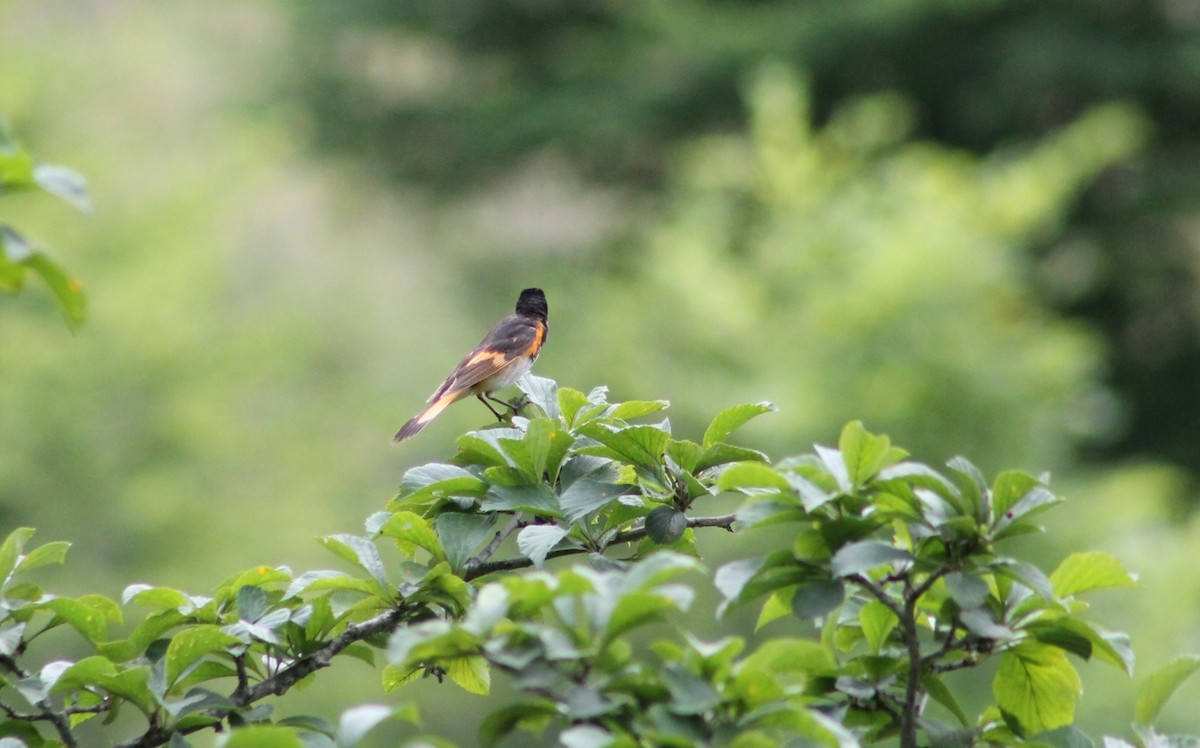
x: 532, y: 303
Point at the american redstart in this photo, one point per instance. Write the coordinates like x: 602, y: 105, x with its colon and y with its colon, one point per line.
x: 503, y: 357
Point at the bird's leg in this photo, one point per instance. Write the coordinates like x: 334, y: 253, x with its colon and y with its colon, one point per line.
x: 515, y: 405
x: 489, y: 407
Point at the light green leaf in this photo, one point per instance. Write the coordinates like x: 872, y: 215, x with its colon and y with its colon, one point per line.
x: 1093, y: 570
x: 263, y: 736
x: 50, y: 553
x: 877, y: 621
x: 748, y: 476
x: 10, y: 550
x: 731, y: 419
x: 640, y: 445
x: 1036, y: 684
x: 470, y: 674
x: 865, y: 454
x: 89, y: 671
x: 89, y: 615
x: 1154, y: 692
x: 637, y: 408
x: 569, y: 403
x: 411, y: 531
x: 67, y: 291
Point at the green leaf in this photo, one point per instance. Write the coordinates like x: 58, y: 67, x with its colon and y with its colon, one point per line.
x: 461, y: 534
x: 641, y: 445
x: 877, y: 621
x: 10, y: 550
x: 263, y: 736
x: 817, y: 598
x: 685, y: 453
x: 132, y: 684
x: 536, y: 541
x: 67, y: 291
x: 731, y: 578
x: 440, y: 479
x: 1010, y: 487
x: 665, y: 524
x: 90, y: 671
x: 1094, y: 570
x: 637, y: 408
x: 1066, y: 737
x: 64, y: 183
x: 968, y: 590
x: 542, y: 392
x: 569, y: 403
x: 944, y: 696
x: 731, y: 419
x: 750, y: 476
x: 471, y: 674
x: 89, y: 615
x: 50, y: 553
x: 537, y: 498
x: 856, y: 558
x: 865, y: 454
x: 359, y: 551
x: 1154, y: 692
x: 532, y: 714
x: 585, y: 496
x: 411, y: 531
x: 327, y: 579
x: 722, y: 453
x: 357, y: 721
x: 191, y: 644
x: 1036, y: 684
x: 690, y: 694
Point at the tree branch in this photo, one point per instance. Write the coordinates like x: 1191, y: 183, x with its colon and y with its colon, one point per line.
x: 475, y: 571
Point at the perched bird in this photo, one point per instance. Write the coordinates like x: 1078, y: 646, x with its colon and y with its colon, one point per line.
x: 503, y: 357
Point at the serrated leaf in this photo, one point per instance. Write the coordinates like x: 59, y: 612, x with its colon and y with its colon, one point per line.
x: 536, y: 541
x: 856, y: 558
x: 731, y: 419
x: 1154, y: 692
x: 665, y: 524
x: 1036, y: 684
x: 1083, y: 572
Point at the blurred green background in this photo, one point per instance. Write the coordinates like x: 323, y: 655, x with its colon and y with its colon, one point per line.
x: 974, y: 224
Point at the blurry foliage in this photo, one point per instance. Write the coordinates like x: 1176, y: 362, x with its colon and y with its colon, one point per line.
x: 846, y: 272
x: 455, y: 92
x: 18, y: 255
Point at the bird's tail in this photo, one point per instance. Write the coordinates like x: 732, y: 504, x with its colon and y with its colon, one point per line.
x: 431, y: 411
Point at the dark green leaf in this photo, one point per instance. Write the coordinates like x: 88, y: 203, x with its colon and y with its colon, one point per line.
x: 690, y: 694
x: 968, y: 590
x: 251, y: 603
x: 441, y: 479
x: 537, y: 498
x: 585, y: 496
x: 731, y: 419
x: 817, y: 598
x: 665, y: 524
x: 359, y: 551
x: 499, y: 723
x: 461, y: 534
x: 865, y: 555
x: 1066, y: 737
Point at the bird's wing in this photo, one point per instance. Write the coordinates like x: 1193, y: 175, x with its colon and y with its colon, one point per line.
x: 512, y: 338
